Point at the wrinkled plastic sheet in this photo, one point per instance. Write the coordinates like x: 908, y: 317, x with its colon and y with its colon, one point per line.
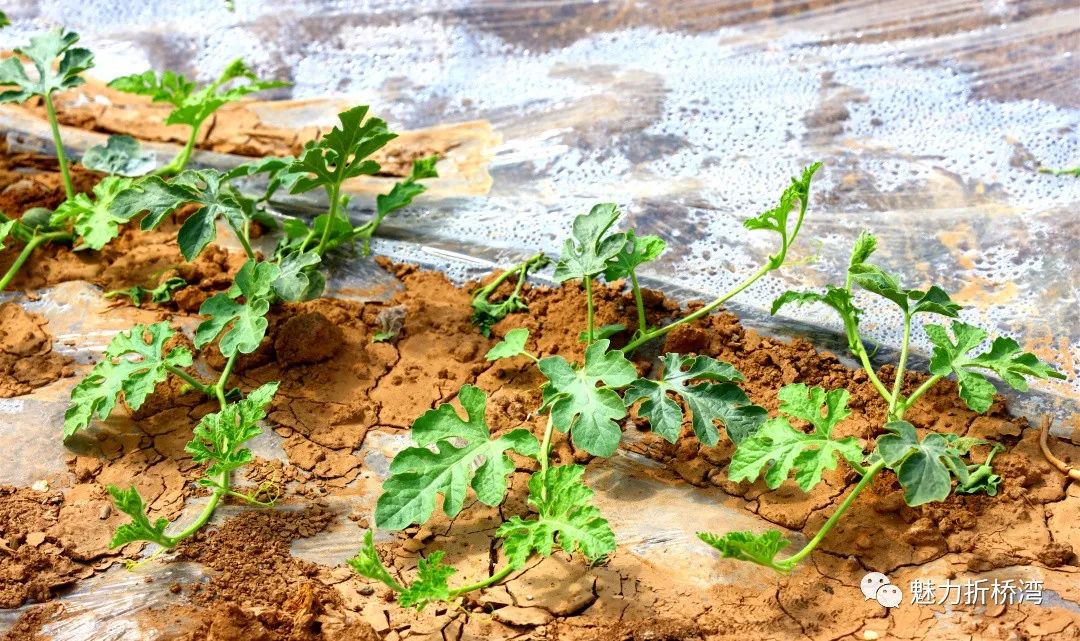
x: 931, y: 118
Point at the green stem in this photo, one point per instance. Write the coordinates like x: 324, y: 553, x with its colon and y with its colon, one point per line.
x: 204, y: 516
x: 479, y: 585
x: 924, y: 388
x: 704, y: 311
x: 219, y: 388
x: 642, y: 327
x: 28, y: 249
x: 191, y: 380
x: 787, y: 564
x: 545, y: 453
x: 177, y: 164
x: 249, y: 498
x: 856, y: 345
x: 901, y: 364
x: 50, y: 110
x: 588, y: 311
x: 334, y: 193
x: 244, y: 242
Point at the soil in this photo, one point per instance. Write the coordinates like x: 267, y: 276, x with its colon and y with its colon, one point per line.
x: 27, y: 359
x: 339, y: 388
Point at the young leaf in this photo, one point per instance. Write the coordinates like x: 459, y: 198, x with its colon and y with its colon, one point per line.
x: 4, y: 20
x: 367, y: 563
x: 637, y: 251
x: 419, y: 474
x: 403, y: 192
x: 513, y: 344
x: 430, y: 584
x: 578, y: 406
x: 220, y: 436
x: 277, y: 173
x: 120, y: 156
x: 162, y: 293
x: 602, y: 332
x: 782, y: 448
x: 747, y: 546
x: 299, y: 280
x: 118, y: 372
x: 485, y: 313
x: 140, y: 528
x: 715, y: 398
x: 208, y: 188
x: 151, y: 195
x: 981, y: 478
x: 924, y: 468
x: 6, y: 229
x: 91, y: 218
x: 342, y: 153
x: 835, y: 297
x: 874, y: 279
x: 58, y: 66
x: 776, y: 219
x: 246, y: 321
x: 565, y: 518
x: 588, y: 253
x: 192, y: 107
x: 1005, y: 358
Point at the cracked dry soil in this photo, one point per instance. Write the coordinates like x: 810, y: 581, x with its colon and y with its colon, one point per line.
x: 339, y: 388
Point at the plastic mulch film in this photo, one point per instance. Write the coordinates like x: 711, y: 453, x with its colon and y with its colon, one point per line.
x: 931, y: 118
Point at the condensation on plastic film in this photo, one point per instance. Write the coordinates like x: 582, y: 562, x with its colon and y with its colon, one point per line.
x: 931, y: 119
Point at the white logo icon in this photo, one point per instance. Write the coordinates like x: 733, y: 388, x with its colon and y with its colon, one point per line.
x: 876, y: 585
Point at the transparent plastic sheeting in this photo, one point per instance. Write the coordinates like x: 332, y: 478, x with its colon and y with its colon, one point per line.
x: 931, y: 118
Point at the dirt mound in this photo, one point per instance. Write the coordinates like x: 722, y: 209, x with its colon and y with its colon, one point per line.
x: 27, y: 359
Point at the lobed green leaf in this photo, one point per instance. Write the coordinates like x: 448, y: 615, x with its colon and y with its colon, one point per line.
x: 240, y: 324
x: 140, y: 528
x: 715, y: 398
x: 453, y: 455
x: 577, y: 405
x: 588, y: 252
x: 58, y: 63
x: 565, y: 518
x: 1005, y: 358
x: 133, y: 365
x: 748, y: 546
x: 219, y: 437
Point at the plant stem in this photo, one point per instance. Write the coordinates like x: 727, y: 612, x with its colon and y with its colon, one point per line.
x: 203, y: 517
x: 28, y: 249
x: 787, y: 564
x: 588, y: 310
x: 856, y: 345
x: 545, y: 453
x: 219, y: 388
x: 191, y: 380
x: 335, y: 190
x: 704, y: 311
x: 244, y: 242
x: 479, y: 585
x: 50, y: 110
x: 901, y: 364
x: 642, y: 327
x: 925, y: 387
x: 177, y: 164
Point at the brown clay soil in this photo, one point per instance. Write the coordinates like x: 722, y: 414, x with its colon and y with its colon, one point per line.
x: 338, y: 388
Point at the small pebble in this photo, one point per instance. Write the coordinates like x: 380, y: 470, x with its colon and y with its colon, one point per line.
x: 40, y: 486
x: 870, y: 635
x: 104, y: 512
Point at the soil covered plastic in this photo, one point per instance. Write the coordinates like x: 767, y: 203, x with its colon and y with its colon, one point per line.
x: 932, y: 122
